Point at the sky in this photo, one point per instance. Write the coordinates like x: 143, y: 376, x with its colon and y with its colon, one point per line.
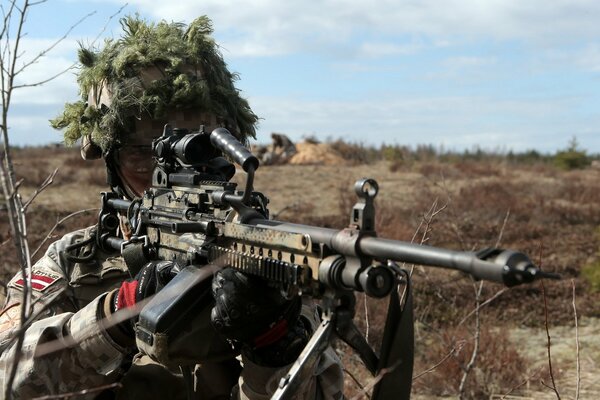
x: 457, y: 74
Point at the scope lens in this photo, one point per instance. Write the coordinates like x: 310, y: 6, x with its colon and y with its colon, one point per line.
x: 194, y: 148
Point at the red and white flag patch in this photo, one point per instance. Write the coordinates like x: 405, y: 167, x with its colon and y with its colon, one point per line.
x: 39, y: 281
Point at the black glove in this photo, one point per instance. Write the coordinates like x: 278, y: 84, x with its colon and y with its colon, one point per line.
x: 257, y: 318
x: 149, y: 280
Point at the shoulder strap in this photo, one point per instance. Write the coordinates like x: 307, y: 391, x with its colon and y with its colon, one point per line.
x: 397, y: 349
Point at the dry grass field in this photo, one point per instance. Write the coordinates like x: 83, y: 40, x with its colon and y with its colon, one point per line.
x: 552, y: 215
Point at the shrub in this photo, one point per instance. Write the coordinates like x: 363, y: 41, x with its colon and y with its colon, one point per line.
x: 591, y: 273
x: 356, y: 153
x: 572, y: 157
x: 499, y: 366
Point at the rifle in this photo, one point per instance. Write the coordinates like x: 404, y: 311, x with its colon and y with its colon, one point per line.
x: 194, y: 216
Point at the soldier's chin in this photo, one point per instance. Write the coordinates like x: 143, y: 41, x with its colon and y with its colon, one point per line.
x: 142, y: 177
x: 140, y: 185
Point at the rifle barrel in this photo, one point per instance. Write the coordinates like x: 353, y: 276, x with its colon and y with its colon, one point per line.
x: 387, y: 249
x: 427, y: 255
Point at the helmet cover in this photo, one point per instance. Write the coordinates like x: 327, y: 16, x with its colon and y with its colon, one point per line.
x: 154, y: 74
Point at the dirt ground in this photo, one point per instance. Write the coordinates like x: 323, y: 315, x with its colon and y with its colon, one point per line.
x: 550, y: 214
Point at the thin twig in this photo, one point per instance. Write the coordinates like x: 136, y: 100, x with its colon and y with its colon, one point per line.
x: 576, y: 343
x: 97, y: 389
x: 528, y: 379
x: 426, y: 226
x: 48, y: 302
x: 485, y: 303
x: 49, y: 49
x: 475, y: 353
x: 375, y: 381
x: 67, y: 342
x: 108, y: 22
x: 284, y: 209
x: 549, y: 341
x: 502, y: 228
x: 47, y: 182
x: 60, y: 222
x: 356, y: 382
x: 367, y: 325
x: 455, y: 349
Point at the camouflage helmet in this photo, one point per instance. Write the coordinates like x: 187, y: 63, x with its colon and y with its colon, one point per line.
x: 153, y: 74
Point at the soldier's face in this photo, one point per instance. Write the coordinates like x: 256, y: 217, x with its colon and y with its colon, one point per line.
x: 136, y: 164
x: 134, y: 157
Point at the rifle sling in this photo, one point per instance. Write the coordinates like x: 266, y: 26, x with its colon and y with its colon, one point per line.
x: 397, y: 350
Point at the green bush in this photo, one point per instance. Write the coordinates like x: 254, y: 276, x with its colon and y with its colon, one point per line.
x: 394, y: 153
x: 591, y: 273
x: 572, y: 157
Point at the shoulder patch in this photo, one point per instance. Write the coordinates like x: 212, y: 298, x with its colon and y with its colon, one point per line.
x: 40, y: 280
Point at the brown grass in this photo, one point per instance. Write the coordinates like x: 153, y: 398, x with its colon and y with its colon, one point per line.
x: 499, y: 367
x: 553, y: 216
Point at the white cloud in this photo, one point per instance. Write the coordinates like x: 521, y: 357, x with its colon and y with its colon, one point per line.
x: 460, y: 62
x: 32, y: 129
x: 57, y: 61
x: 455, y: 121
x: 266, y: 27
x: 379, y: 49
x: 589, y: 58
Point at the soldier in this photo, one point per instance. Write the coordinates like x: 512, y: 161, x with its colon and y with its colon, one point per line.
x: 279, y: 151
x: 283, y: 145
x: 154, y: 74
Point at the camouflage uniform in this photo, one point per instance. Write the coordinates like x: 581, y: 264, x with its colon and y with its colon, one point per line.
x: 68, y: 350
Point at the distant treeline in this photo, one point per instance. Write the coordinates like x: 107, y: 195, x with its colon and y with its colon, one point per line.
x: 572, y: 157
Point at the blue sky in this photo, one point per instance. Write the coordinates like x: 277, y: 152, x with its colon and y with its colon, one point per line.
x: 499, y: 74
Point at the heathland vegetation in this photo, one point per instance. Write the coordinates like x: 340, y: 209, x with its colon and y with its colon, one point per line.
x: 547, y: 205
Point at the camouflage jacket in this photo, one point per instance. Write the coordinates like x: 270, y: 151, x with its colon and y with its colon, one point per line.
x: 66, y: 350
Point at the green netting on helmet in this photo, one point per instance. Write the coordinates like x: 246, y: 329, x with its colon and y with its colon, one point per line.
x: 189, y: 74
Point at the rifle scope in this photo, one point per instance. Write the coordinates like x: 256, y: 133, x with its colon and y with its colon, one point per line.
x: 187, y: 148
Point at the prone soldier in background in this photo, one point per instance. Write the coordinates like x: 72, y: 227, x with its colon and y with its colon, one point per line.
x: 153, y: 75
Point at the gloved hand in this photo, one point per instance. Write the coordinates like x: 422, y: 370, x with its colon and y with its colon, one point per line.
x: 257, y: 318
x: 149, y: 280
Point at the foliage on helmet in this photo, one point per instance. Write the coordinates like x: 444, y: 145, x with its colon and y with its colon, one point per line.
x: 192, y: 76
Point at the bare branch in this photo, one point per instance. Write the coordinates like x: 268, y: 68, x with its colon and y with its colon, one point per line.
x: 51, y: 47
x: 528, y: 379
x: 58, y: 223
x: 5, y: 242
x: 284, y: 209
x: 502, y: 229
x: 549, y: 341
x: 49, y: 302
x: 357, y: 383
x: 456, y: 349
x: 425, y: 224
x: 576, y: 343
x: 50, y: 347
x: 39, y: 83
x: 367, y: 325
x: 81, y: 392
x: 375, y: 380
x: 475, y: 353
x: 108, y: 22
x: 47, y: 182
x: 485, y: 303
x: 27, y: 307
x: 7, y: 18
